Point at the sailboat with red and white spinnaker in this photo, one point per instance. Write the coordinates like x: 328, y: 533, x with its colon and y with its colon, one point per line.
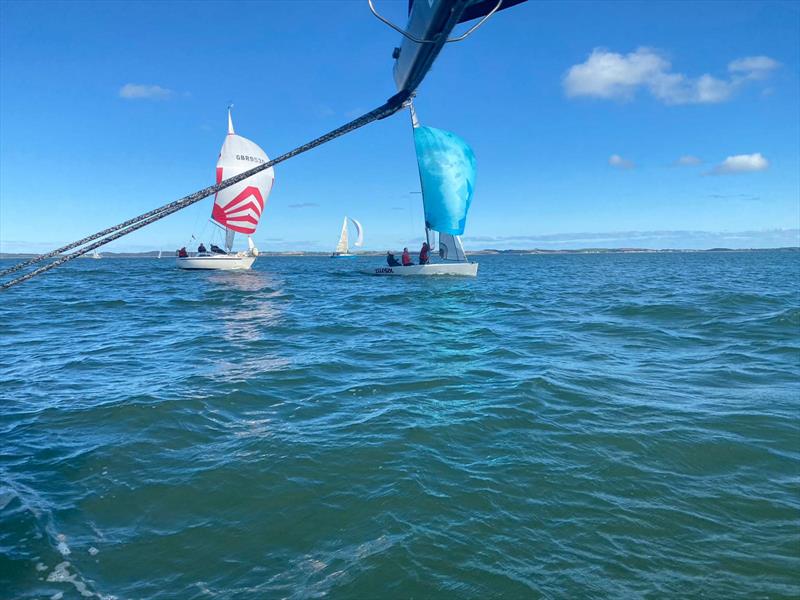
x: 238, y: 208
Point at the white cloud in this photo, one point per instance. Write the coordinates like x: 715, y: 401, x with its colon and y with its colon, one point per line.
x: 688, y: 161
x: 611, y: 75
x: 753, y: 67
x: 615, y: 160
x: 741, y: 163
x: 139, y: 91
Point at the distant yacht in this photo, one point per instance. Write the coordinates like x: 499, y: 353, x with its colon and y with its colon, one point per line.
x: 96, y: 255
x: 342, y: 248
x: 159, y: 254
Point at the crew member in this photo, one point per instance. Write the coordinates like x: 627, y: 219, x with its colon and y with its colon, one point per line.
x: 406, y: 258
x: 424, y: 254
x: 391, y: 260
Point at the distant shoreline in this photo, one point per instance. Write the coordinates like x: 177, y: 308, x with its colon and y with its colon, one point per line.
x: 485, y: 252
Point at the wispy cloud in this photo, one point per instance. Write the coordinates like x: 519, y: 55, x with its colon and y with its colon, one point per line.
x: 615, y: 160
x: 303, y: 205
x: 611, y: 75
x: 753, y: 67
x: 748, y: 197
x: 741, y: 163
x: 141, y: 91
x: 688, y: 161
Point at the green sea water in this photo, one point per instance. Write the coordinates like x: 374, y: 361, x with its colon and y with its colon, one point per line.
x: 574, y: 426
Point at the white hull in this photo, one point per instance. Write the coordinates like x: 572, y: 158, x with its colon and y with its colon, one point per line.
x: 219, y: 262
x: 462, y: 269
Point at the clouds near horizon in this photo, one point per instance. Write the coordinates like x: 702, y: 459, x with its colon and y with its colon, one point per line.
x: 611, y: 75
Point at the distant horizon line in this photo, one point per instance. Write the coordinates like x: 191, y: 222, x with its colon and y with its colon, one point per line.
x: 484, y: 252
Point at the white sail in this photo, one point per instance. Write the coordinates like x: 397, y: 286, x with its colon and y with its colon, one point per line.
x: 360, y: 231
x: 342, y: 246
x: 229, y: 234
x: 450, y: 248
x: 430, y: 237
x: 159, y: 254
x: 238, y: 207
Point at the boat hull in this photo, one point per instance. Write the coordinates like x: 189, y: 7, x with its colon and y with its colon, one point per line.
x: 460, y: 269
x: 219, y: 262
x: 343, y: 255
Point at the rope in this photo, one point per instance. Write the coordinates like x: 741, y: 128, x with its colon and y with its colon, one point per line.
x: 391, y: 106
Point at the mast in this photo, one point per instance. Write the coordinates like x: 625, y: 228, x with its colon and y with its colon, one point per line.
x: 430, y: 234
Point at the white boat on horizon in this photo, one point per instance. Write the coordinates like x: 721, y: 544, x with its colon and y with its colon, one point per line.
x: 342, y: 247
x: 96, y: 255
x: 238, y: 208
x: 447, y: 177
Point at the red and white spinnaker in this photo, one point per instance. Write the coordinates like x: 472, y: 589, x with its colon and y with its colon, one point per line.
x: 239, y: 207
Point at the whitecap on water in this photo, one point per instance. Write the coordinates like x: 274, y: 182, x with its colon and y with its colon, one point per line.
x: 62, y: 545
x: 61, y: 574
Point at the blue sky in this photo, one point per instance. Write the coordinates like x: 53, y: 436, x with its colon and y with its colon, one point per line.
x: 579, y: 115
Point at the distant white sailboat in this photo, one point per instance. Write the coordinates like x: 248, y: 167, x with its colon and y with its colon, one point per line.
x: 238, y: 208
x: 96, y: 255
x: 159, y: 254
x: 342, y: 248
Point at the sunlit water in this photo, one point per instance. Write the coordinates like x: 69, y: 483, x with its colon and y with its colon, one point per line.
x: 614, y: 426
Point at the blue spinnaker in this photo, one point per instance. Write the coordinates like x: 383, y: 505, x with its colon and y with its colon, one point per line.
x: 447, y: 173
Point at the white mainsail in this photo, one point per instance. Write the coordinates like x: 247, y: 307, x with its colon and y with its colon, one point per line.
x: 342, y: 246
x: 238, y: 207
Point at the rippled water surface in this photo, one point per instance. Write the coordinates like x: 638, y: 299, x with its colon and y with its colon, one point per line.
x: 562, y: 426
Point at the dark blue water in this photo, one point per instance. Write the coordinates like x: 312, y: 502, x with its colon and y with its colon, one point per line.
x: 562, y: 426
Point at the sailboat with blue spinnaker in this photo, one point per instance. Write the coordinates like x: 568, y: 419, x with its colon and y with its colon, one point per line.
x: 447, y: 176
